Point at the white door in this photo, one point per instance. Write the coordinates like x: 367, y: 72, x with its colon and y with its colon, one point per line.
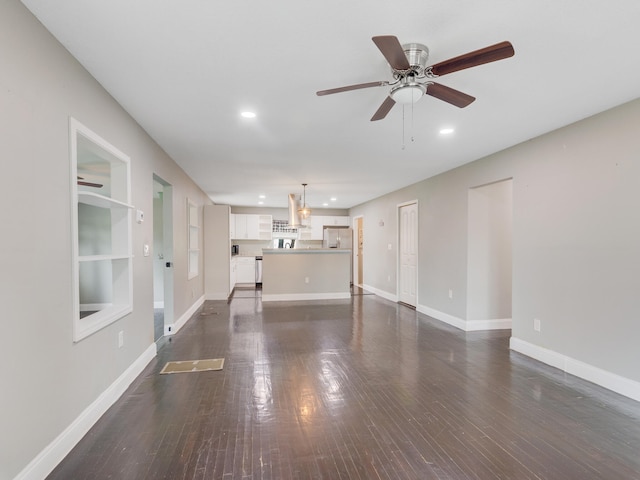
x: 408, y: 271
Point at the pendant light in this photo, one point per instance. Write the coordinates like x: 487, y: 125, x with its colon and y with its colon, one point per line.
x: 304, y: 211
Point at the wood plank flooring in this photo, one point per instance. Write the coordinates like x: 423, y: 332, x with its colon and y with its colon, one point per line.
x: 354, y: 389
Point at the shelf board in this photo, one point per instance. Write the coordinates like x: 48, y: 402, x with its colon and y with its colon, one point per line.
x: 97, y: 200
x: 97, y: 258
x: 85, y: 326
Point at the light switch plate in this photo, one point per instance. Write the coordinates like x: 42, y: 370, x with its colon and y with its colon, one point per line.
x: 146, y: 250
x: 139, y: 216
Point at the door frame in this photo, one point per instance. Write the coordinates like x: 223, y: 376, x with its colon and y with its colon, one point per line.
x: 399, y: 206
x: 168, y: 251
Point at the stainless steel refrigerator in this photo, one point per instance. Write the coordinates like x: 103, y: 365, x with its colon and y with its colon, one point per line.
x: 339, y: 237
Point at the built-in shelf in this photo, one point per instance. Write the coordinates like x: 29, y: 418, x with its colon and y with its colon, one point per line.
x: 98, y: 258
x: 102, y: 218
x: 193, y: 237
x: 97, y: 200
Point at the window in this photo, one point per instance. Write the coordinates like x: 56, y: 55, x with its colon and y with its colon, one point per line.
x: 193, y: 239
x: 101, y: 232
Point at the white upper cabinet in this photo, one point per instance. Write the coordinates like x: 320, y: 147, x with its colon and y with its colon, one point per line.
x: 232, y: 226
x: 316, y: 224
x: 252, y: 227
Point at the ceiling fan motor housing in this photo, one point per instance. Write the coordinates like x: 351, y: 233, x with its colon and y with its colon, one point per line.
x: 408, y: 90
x: 418, y: 56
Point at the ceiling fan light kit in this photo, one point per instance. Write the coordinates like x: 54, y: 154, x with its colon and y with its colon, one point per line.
x: 408, y: 91
x: 408, y: 64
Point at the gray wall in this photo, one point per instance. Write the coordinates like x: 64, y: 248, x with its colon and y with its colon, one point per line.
x: 489, y: 254
x: 576, y: 239
x: 217, y: 252
x: 49, y: 380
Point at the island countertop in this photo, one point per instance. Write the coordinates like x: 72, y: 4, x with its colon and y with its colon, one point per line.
x: 305, y: 274
x: 287, y: 251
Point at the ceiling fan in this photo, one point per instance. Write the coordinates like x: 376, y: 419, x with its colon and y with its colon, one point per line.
x: 409, y: 65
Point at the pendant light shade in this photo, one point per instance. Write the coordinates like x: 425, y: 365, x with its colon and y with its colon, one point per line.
x: 304, y: 211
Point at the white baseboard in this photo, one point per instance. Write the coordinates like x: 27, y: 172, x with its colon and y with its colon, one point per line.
x: 288, y: 297
x: 491, y: 324
x: 217, y: 296
x: 381, y: 293
x: 443, y: 317
x: 611, y: 381
x: 184, y: 318
x: 44, y: 463
x: 466, y: 325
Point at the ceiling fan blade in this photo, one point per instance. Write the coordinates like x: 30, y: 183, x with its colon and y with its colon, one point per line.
x: 449, y: 95
x: 386, y: 106
x: 352, y: 87
x: 499, y: 51
x: 392, y: 51
x: 89, y: 184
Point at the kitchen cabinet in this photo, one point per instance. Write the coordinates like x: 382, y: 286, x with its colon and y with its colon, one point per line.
x: 245, y: 269
x: 265, y: 227
x: 314, y: 229
x: 233, y: 272
x: 339, y: 221
x: 232, y: 226
x: 316, y: 224
x: 252, y: 227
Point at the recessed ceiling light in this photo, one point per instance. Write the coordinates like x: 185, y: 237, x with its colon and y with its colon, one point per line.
x: 333, y: 199
x: 261, y: 196
x: 446, y: 131
x: 325, y: 204
x: 248, y: 114
x: 260, y: 203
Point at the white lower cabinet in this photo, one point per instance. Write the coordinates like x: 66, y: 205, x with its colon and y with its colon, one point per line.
x: 246, y: 270
x: 233, y: 273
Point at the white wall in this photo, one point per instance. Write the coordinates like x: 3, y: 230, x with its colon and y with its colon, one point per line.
x: 576, y: 243
x: 49, y: 380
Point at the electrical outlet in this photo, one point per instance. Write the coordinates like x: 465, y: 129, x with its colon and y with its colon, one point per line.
x: 306, y: 279
x: 536, y: 324
x: 120, y: 339
x: 450, y: 293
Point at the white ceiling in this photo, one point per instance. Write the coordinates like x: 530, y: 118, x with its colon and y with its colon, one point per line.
x: 186, y: 69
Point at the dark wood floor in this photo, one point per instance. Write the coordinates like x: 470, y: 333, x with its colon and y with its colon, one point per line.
x: 354, y: 389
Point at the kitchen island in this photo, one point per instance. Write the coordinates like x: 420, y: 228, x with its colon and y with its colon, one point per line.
x: 305, y: 274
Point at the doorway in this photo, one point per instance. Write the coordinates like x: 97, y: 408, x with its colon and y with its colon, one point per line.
x: 489, y: 252
x: 162, y: 257
x: 408, y: 253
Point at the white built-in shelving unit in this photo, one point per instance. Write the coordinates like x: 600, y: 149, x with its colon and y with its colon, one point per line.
x: 101, y: 231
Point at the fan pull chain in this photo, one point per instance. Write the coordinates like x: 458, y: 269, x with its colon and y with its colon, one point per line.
x: 412, y: 104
